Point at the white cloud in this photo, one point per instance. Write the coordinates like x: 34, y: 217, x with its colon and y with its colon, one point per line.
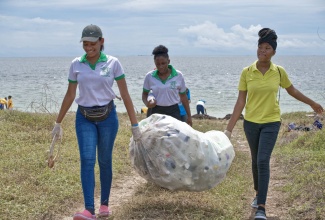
x: 246, y: 33
x: 209, y: 34
x: 39, y: 20
x: 35, y: 33
x: 296, y: 43
x: 186, y: 26
x: 139, y: 5
x: 56, y: 3
x: 14, y: 22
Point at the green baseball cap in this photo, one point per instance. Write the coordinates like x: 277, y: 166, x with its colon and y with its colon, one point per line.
x: 91, y: 33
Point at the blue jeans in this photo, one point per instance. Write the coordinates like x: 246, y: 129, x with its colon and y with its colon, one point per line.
x: 92, y: 136
x: 261, y: 139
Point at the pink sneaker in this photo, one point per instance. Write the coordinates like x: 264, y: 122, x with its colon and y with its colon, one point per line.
x: 104, y: 211
x: 85, y: 215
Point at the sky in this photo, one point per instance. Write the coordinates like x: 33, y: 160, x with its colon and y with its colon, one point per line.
x: 39, y: 28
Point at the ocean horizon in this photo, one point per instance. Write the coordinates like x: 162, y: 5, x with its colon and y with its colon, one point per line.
x: 38, y: 84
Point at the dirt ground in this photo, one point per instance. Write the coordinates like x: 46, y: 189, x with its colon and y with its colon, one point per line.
x: 122, y: 189
x: 275, y: 210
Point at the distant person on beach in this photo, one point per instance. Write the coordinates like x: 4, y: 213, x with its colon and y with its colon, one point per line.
x: 3, y: 103
x: 200, y: 107
x: 181, y: 106
x: 10, y: 103
x: 167, y: 85
x: 96, y: 119
x: 258, y: 87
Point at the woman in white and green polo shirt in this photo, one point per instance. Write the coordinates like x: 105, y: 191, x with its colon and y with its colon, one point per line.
x: 167, y: 87
x: 96, y: 119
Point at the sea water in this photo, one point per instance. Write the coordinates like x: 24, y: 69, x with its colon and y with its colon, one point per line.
x: 39, y: 84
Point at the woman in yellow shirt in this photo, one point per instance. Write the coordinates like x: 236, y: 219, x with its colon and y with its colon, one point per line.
x: 258, y: 88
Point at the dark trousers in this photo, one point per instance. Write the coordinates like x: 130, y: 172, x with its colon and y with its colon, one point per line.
x: 172, y: 110
x: 149, y: 112
x: 200, y: 109
x: 261, y: 139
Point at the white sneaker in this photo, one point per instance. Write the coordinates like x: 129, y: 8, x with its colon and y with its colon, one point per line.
x: 260, y: 215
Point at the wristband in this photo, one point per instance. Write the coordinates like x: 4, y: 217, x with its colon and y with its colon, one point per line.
x: 135, y: 125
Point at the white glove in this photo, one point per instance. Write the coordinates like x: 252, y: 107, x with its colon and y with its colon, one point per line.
x: 136, y: 132
x: 151, y: 98
x: 227, y: 133
x: 57, y: 130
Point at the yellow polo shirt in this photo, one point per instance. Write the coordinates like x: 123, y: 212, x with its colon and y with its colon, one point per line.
x: 10, y: 105
x: 262, y: 105
x: 3, y: 101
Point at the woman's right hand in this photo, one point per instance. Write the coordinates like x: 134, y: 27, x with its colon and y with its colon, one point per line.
x: 152, y: 103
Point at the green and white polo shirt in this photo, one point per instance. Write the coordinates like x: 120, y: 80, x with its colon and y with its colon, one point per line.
x: 166, y: 92
x: 95, y: 81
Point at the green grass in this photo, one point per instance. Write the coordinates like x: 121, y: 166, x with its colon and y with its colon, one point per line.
x: 302, y: 159
x: 30, y: 190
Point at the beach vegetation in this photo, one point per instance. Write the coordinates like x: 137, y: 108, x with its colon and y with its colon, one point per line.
x: 31, y: 190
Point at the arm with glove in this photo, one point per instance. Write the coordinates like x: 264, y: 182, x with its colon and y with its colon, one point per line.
x: 129, y: 108
x: 66, y: 103
x: 57, y: 132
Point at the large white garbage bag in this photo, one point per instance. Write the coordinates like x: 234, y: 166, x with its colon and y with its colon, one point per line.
x: 175, y: 156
